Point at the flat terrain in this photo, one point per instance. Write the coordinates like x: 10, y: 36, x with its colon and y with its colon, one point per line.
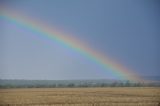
x: 127, y: 96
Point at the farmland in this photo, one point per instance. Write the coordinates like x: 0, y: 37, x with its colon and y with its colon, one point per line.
x: 109, y: 96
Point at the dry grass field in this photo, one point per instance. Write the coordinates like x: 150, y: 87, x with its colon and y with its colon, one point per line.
x: 81, y: 97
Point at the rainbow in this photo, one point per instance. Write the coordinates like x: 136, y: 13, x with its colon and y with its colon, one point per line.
x: 73, y: 43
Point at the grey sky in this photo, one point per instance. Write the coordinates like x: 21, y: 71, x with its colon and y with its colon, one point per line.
x: 126, y: 30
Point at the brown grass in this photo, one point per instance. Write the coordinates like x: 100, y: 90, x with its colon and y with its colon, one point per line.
x: 80, y: 97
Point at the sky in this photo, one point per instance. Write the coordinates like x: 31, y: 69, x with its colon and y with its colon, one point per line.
x: 127, y: 31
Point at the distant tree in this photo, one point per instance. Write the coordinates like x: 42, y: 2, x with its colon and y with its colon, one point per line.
x: 71, y: 85
x: 84, y: 85
x: 103, y: 85
x: 60, y: 85
x: 127, y: 84
x: 114, y: 84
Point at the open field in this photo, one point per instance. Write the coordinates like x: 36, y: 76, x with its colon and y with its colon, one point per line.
x: 127, y: 96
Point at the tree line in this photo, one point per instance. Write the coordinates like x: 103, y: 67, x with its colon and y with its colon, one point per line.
x: 72, y: 84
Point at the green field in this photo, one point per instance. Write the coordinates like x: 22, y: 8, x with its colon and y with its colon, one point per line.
x: 111, y: 96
